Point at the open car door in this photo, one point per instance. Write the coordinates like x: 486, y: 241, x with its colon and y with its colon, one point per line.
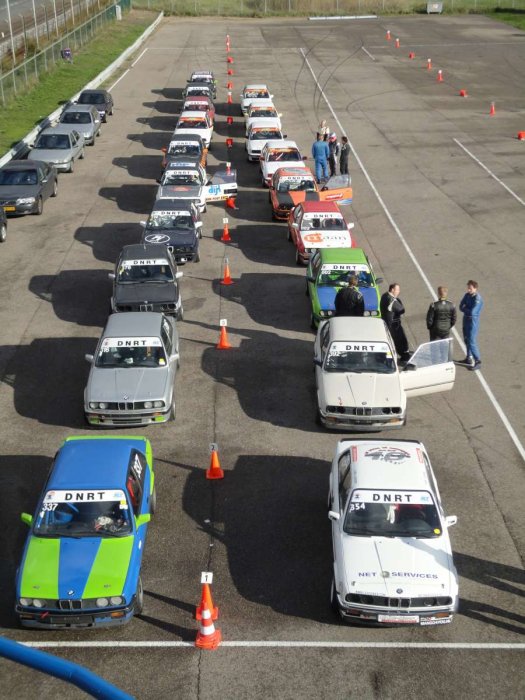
x: 337, y: 189
x: 430, y: 369
x: 223, y: 185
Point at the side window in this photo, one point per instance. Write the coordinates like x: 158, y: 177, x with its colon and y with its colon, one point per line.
x: 166, y: 336
x: 325, y: 340
x: 430, y: 476
x: 316, y: 262
x: 344, y: 477
x: 135, y: 479
x: 436, y: 352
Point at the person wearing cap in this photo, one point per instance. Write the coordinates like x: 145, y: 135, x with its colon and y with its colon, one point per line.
x: 333, y: 147
x: 320, y: 153
x: 349, y: 301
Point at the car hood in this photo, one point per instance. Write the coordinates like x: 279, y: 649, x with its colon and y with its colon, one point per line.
x: 71, y: 568
x: 284, y: 198
x: 367, y: 389
x: 50, y: 155
x: 16, y: 191
x: 270, y: 166
x: 172, y: 237
x: 387, y: 565
x: 132, y: 384
x: 326, y: 296
x: 144, y: 292
x: 179, y: 192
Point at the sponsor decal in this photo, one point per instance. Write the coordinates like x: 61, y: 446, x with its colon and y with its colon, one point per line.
x: 174, y: 144
x: 145, y: 263
x: 391, y: 496
x: 345, y: 267
x: 425, y: 621
x: 157, y: 238
x: 84, y: 496
x: 333, y: 239
x: 397, y: 574
x: 388, y: 453
x: 172, y: 212
x: 342, y: 348
x: 399, y: 619
x: 130, y: 343
x: 322, y: 215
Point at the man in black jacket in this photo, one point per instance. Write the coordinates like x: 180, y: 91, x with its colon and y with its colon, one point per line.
x: 349, y: 300
x: 392, y: 309
x: 441, y: 316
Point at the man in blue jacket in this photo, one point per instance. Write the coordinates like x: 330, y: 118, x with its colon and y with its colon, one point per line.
x: 471, y: 306
x: 320, y: 153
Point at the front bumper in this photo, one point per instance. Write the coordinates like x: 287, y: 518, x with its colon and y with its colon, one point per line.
x: 183, y: 256
x: 158, y: 307
x: 12, y: 209
x: 362, y: 424
x: 381, y: 616
x: 123, y: 418
x: 282, y: 214
x: 59, y: 619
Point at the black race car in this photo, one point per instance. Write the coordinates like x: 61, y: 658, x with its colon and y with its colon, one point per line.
x: 176, y: 224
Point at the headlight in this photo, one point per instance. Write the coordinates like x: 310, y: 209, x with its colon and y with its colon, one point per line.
x: 102, y: 602
x: 158, y: 404
x: 102, y: 405
x: 148, y: 404
x: 38, y: 603
x: 25, y: 200
x: 116, y: 600
x: 366, y: 313
x: 374, y: 313
x: 25, y: 601
x: 93, y: 404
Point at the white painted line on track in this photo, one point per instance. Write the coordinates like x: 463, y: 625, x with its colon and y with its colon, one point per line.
x: 510, y: 430
x: 118, y: 80
x: 482, y: 165
x: 279, y: 644
x: 466, y: 43
x: 138, y: 58
x: 368, y: 53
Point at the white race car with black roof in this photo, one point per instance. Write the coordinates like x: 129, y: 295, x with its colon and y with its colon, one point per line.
x: 132, y: 376
x: 259, y: 132
x: 281, y: 153
x: 195, y: 122
x: 187, y: 148
x: 359, y: 384
x: 251, y: 94
x: 188, y: 181
x: 175, y: 224
x: 206, y: 77
x: 393, y: 560
x: 146, y: 279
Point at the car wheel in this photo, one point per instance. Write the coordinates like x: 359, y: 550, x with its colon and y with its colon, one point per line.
x: 318, y: 417
x: 55, y: 189
x: 81, y: 156
x: 153, y: 502
x: 110, y: 112
x: 39, y: 207
x: 263, y: 181
x: 71, y: 168
x: 197, y: 257
x: 98, y: 134
x: 297, y: 258
x: 180, y: 314
x: 333, y: 599
x: 306, y: 291
x: 312, y: 322
x: 139, y: 598
x: 173, y: 412
x: 289, y: 234
x: 3, y: 233
x: 105, y: 119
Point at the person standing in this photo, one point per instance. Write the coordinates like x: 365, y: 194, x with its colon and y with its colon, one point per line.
x: 343, y: 157
x: 333, y: 147
x: 323, y: 128
x: 441, y: 316
x: 349, y: 301
x: 320, y: 155
x: 471, y: 306
x: 392, y: 308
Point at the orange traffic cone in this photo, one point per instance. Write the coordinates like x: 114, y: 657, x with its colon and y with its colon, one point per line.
x: 229, y: 121
x: 429, y: 64
x: 229, y: 59
x: 207, y: 637
x: 225, y: 238
x: 206, y: 601
x: 215, y: 471
x: 388, y: 37
x: 223, y: 344
x: 411, y: 55
x: 230, y: 71
x: 229, y: 143
x: 230, y: 203
x: 440, y: 76
x: 228, y: 168
x: 492, y: 109
x: 463, y: 93
x: 521, y: 135
x: 226, y: 278
x: 398, y: 43
x: 229, y: 100
x: 229, y: 85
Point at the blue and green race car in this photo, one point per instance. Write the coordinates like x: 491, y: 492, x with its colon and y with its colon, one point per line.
x: 82, y: 558
x: 328, y: 270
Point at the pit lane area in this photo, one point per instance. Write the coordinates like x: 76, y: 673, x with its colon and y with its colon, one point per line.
x: 263, y: 531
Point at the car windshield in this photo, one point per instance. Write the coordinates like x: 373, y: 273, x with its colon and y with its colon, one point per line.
x: 198, y: 106
x: 295, y: 185
x: 260, y: 134
x: 176, y: 177
x: 195, y: 123
x: 76, y: 118
x: 184, y: 149
x: 171, y: 219
x: 91, y: 99
x: 18, y: 177
x: 94, y: 513
x: 284, y: 154
x: 338, y: 275
x: 392, y: 514
x: 263, y: 112
x: 197, y: 90
x: 256, y: 94
x: 133, y: 271
x: 53, y: 141
x: 359, y: 357
x: 125, y: 353
x: 318, y: 221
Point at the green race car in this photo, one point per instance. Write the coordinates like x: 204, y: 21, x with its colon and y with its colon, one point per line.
x: 328, y: 270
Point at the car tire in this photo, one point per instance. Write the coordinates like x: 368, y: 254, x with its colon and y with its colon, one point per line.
x: 105, y: 119
x: 139, y: 598
x: 82, y: 154
x: 312, y: 322
x: 153, y: 502
x: 3, y: 233
x: 55, y: 189
x: 306, y: 291
x: 263, y: 181
x: 180, y: 314
x: 289, y: 234
x: 110, y: 112
x: 173, y: 411
x: 197, y: 257
x: 39, y: 207
x: 318, y: 417
x: 98, y: 134
x: 297, y: 258
x: 71, y: 168
x: 333, y: 599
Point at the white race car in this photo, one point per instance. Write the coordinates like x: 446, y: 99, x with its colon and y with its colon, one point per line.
x: 359, y: 383
x: 279, y: 154
x: 188, y: 181
x: 259, y: 132
x: 195, y: 122
x: 251, y: 94
x: 392, y: 555
x: 263, y: 109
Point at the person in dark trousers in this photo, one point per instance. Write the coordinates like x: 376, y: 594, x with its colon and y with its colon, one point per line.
x: 471, y: 306
x: 349, y: 301
x: 392, y: 309
x: 441, y: 316
x: 320, y: 155
x: 333, y: 147
x: 343, y: 156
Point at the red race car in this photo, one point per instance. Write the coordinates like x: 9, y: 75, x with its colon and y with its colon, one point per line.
x: 313, y: 225
x: 199, y: 103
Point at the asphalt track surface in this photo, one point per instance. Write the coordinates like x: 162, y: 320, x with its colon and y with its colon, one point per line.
x: 263, y: 530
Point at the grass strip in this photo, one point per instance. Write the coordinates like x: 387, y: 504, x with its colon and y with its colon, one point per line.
x: 57, y: 86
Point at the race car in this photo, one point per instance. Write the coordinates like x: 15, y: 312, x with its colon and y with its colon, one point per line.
x: 82, y: 558
x: 329, y: 270
x: 252, y: 93
x: 198, y: 89
x: 360, y: 385
x: 188, y: 181
x: 199, y: 104
x: 186, y: 148
x: 315, y: 225
x: 176, y: 224
x: 195, y: 122
x: 279, y: 154
x: 393, y: 562
x: 262, y: 109
x: 206, y: 77
x: 261, y: 131
x: 284, y: 182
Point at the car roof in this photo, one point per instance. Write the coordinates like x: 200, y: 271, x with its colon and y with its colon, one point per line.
x: 22, y: 164
x: 94, y: 92
x: 172, y: 204
x: 407, y: 472
x: 357, y: 328
x: 343, y: 255
x: 58, y: 129
x: 255, y: 86
x: 198, y: 98
x: 263, y: 103
x: 281, y: 143
x: 321, y: 207
x: 186, y: 137
x: 199, y: 84
x: 140, y: 251
x: 268, y: 122
x: 303, y: 172
x: 191, y: 113
x: 94, y: 462
x: 133, y: 324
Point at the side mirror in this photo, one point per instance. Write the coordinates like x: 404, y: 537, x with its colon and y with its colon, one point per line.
x: 164, y: 149
x: 333, y: 515
x: 305, y: 157
x: 31, y: 145
x: 111, y: 275
x: 379, y: 280
x: 295, y: 225
x: 178, y: 275
x: 271, y: 97
x: 409, y: 367
x: 350, y: 226
x: 198, y: 224
x: 142, y: 519
x: 279, y: 114
x: 317, y: 362
x: 143, y: 224
x: 174, y: 357
x: 310, y: 278
x: 285, y: 136
x: 26, y: 518
x: 89, y: 358
x: 451, y: 520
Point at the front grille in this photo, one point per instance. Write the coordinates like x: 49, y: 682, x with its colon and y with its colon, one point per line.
x: 146, y: 307
x: 7, y: 202
x: 125, y: 406
x: 364, y: 410
x: 64, y: 604
x: 397, y: 603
